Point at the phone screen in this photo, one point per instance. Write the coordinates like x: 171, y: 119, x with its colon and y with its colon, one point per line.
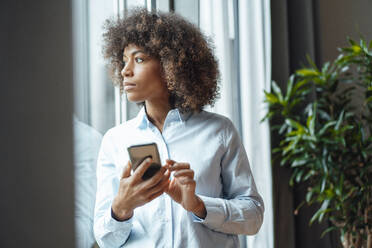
x: 138, y: 153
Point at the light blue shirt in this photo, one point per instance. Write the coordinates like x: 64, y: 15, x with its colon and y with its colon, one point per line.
x: 87, y: 142
x: 211, y: 144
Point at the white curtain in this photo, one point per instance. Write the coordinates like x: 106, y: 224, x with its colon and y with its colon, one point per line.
x: 255, y: 76
x: 217, y: 21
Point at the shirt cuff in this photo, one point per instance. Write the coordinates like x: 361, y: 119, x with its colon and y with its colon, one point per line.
x: 113, y: 225
x: 215, y: 211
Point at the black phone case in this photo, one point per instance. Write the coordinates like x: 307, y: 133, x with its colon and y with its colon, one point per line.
x: 154, y: 167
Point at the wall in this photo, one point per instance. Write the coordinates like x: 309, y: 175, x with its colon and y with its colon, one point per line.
x: 36, y: 179
x: 338, y: 19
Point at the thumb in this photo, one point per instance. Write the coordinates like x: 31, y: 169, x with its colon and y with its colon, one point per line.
x: 126, y: 170
x: 166, y: 187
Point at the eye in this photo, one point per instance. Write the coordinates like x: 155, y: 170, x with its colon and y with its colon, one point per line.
x: 139, y: 60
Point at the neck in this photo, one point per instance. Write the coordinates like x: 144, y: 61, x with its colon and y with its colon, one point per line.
x: 157, y: 112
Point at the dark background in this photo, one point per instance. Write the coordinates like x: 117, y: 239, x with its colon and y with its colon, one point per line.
x: 316, y: 28
x: 36, y: 178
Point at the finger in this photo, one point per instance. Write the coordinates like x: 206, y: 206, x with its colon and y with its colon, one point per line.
x: 157, y: 194
x: 186, y: 181
x: 168, y: 181
x: 184, y: 172
x: 167, y: 174
x: 141, y: 169
x: 166, y: 185
x: 139, y: 161
x: 156, y: 178
x: 170, y: 162
x: 172, y: 183
x: 179, y: 166
x: 158, y: 187
x: 126, y: 170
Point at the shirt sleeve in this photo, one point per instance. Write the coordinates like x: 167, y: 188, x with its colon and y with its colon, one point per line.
x: 240, y: 210
x: 107, y: 231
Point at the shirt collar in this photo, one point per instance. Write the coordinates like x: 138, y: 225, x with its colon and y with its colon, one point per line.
x: 174, y: 115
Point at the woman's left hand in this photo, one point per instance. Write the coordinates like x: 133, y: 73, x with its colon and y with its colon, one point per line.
x: 182, y: 188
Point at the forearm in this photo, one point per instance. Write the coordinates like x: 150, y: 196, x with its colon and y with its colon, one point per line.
x: 119, y: 213
x: 108, y: 232
x: 200, y: 210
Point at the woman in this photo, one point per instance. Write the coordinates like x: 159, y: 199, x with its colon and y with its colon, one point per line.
x: 204, y: 194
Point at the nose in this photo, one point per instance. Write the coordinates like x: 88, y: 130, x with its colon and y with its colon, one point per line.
x: 127, y: 70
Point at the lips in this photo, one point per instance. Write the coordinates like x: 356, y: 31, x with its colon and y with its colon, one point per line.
x: 129, y: 86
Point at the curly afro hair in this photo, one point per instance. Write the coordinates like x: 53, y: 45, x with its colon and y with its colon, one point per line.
x: 189, y: 67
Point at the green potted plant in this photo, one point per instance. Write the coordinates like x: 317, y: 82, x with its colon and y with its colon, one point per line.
x: 325, y: 130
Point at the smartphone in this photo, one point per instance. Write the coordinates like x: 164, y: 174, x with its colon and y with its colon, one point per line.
x: 138, y: 153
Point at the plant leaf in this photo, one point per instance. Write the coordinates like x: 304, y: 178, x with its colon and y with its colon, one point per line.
x: 308, y: 196
x: 299, y: 176
x: 351, y: 41
x: 328, y: 230
x: 325, y: 127
x: 356, y: 49
x: 324, y: 181
x: 321, y: 211
x: 299, y: 162
x: 289, y: 87
x: 315, y: 216
x: 295, y: 124
x: 311, y: 62
x: 339, y: 121
x: 277, y: 91
x: 299, y: 85
x: 307, y: 72
x: 271, y: 98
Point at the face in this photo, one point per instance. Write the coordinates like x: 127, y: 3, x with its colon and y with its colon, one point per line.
x: 142, y: 76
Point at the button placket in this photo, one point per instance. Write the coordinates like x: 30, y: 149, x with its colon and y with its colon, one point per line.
x: 168, y: 200
x: 164, y: 154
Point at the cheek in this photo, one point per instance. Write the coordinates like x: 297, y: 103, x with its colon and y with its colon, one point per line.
x: 155, y: 79
x: 145, y: 74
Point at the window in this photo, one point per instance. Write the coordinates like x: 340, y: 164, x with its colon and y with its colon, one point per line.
x: 99, y: 105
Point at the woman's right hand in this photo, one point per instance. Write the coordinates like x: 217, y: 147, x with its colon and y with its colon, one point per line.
x: 134, y: 192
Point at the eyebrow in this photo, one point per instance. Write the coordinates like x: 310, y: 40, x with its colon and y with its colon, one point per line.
x: 134, y: 52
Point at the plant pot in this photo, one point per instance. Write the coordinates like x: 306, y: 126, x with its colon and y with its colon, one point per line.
x: 357, y: 241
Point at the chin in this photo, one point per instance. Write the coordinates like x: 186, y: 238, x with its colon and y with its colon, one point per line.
x: 134, y: 98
